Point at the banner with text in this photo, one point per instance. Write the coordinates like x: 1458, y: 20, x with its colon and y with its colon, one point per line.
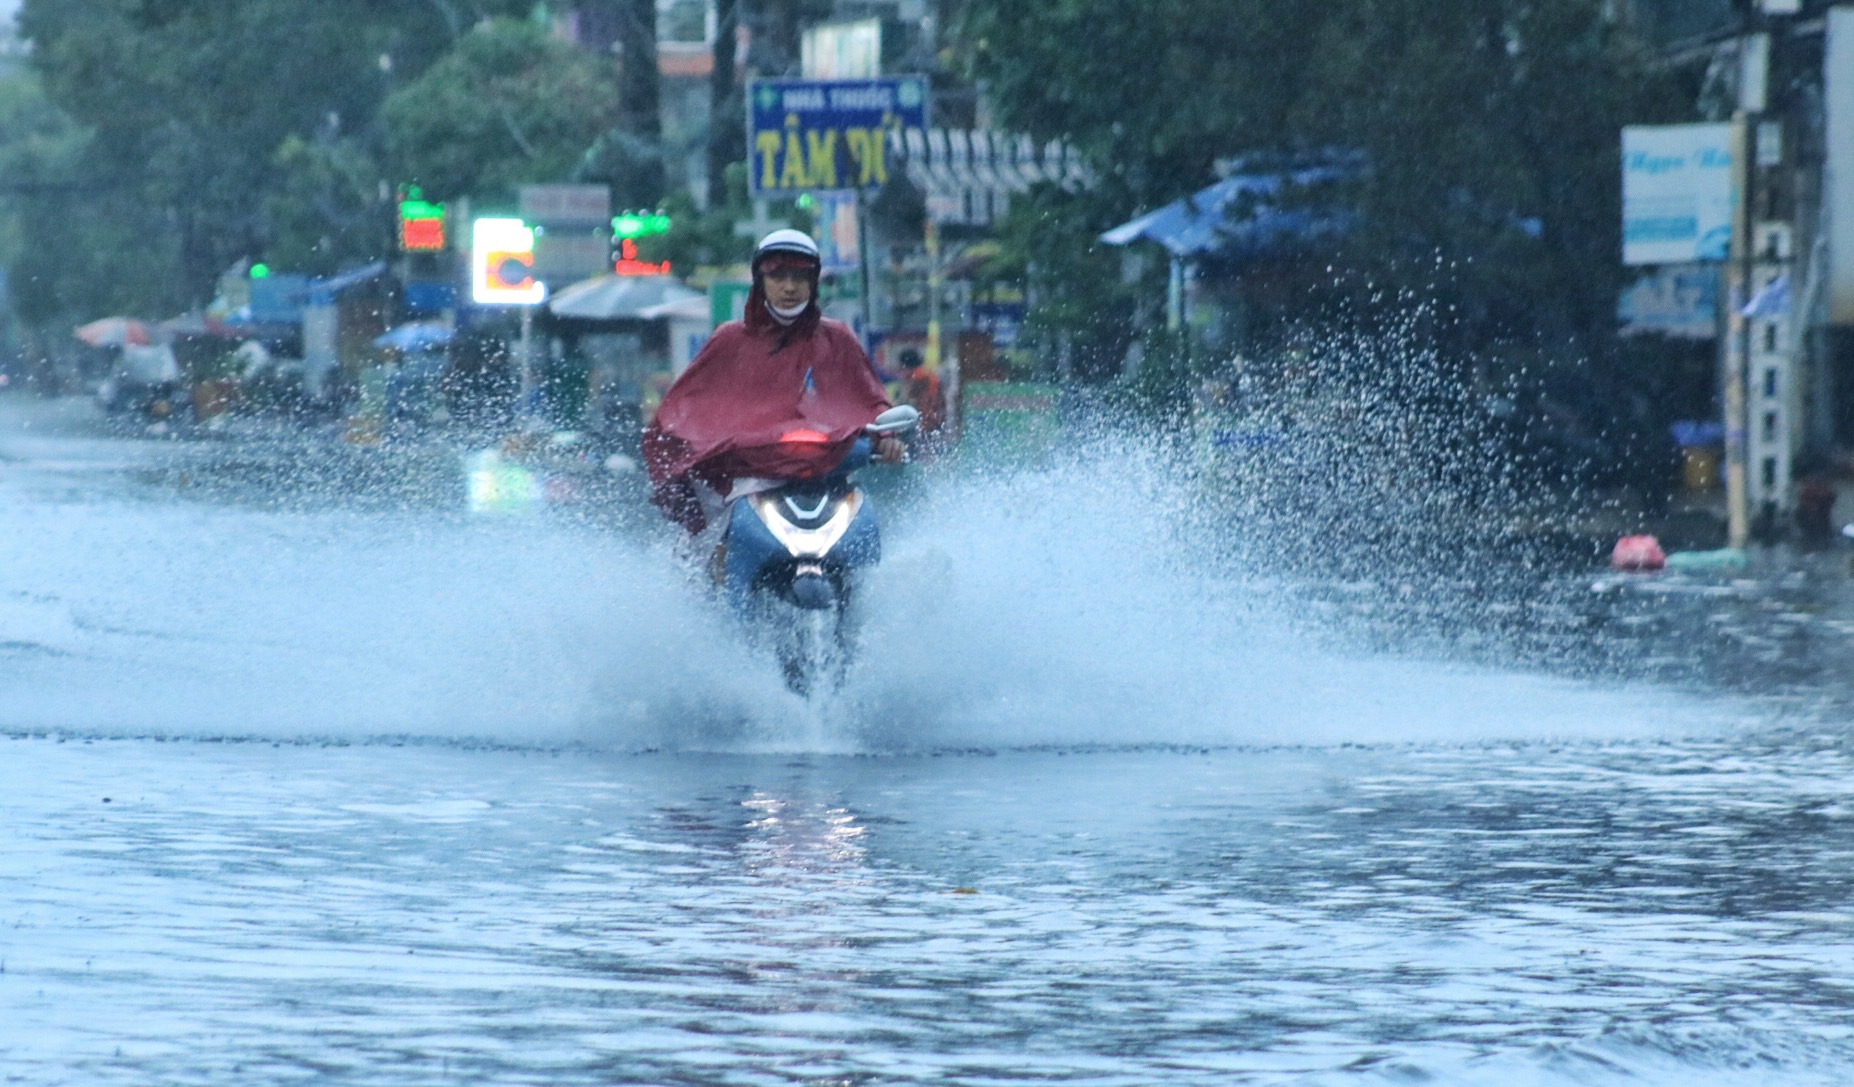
x: 818, y: 135
x: 1676, y: 193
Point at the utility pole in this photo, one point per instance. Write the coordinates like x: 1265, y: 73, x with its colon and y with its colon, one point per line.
x: 727, y: 132
x: 1763, y: 380
x: 640, y: 183
x: 1737, y: 265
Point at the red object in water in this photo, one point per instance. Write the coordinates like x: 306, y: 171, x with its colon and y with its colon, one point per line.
x: 1638, y: 553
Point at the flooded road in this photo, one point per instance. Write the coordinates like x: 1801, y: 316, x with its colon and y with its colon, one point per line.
x: 313, y: 780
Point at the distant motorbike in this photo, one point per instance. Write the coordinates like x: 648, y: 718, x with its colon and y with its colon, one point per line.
x: 146, y: 384
x: 791, y: 556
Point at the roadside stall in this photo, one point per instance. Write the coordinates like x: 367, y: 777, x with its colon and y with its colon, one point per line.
x: 613, y: 352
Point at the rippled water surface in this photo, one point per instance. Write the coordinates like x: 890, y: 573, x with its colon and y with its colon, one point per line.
x: 355, y: 791
x: 1517, y: 912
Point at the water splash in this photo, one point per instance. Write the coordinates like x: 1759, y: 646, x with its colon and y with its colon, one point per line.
x: 1104, y: 597
x: 1102, y: 600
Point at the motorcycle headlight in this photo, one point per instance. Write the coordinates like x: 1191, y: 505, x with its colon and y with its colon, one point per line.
x: 802, y: 542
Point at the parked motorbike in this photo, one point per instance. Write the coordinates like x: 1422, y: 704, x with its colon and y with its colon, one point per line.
x: 791, y: 556
x: 146, y: 384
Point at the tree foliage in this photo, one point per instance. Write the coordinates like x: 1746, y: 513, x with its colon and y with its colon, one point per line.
x: 200, y: 132
x: 1152, y: 93
x: 508, y: 105
x: 1493, y: 135
x: 189, y: 103
x: 1490, y: 127
x: 1084, y: 302
x: 59, y: 221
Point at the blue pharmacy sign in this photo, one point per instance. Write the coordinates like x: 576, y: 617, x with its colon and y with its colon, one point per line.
x: 820, y: 135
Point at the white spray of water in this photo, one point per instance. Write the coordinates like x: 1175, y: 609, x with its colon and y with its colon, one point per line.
x: 1069, y: 605
x: 1083, y: 604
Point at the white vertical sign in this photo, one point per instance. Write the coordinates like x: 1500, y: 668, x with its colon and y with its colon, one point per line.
x: 1838, y: 179
x: 839, y: 244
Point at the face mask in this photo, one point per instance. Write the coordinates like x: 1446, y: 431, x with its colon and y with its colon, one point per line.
x: 786, y: 316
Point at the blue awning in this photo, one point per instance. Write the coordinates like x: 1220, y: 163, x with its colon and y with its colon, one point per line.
x: 279, y: 299
x: 1239, y: 217
x: 274, y: 300
x: 323, y: 291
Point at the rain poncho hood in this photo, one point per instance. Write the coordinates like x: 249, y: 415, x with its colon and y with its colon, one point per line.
x: 760, y: 399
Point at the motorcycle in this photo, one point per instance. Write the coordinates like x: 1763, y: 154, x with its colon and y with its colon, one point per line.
x: 791, y: 555
x: 145, y: 385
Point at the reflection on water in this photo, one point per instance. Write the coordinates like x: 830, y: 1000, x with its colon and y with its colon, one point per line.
x: 1670, y: 910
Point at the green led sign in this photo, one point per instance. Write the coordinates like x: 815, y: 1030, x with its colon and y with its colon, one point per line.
x: 639, y: 224
x: 260, y: 271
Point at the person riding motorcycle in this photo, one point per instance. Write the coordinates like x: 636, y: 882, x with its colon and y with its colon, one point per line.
x: 781, y: 394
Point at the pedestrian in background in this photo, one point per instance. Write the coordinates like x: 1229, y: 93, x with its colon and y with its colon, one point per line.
x: 923, y: 391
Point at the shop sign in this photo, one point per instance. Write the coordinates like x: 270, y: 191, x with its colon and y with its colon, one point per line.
x: 1676, y: 193
x: 812, y: 135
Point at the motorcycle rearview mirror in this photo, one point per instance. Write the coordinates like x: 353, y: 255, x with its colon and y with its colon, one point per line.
x: 896, y: 420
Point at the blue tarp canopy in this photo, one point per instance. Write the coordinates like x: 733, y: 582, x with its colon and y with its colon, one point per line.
x: 1239, y: 217
x: 323, y: 291
x: 279, y: 299
x: 415, y: 336
x: 275, y: 300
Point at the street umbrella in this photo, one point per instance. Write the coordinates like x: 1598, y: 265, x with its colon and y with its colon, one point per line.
x: 688, y: 309
x: 115, y: 332
x: 618, y: 298
x: 414, y: 336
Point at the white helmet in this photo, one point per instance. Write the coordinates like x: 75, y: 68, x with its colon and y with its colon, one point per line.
x: 795, y: 242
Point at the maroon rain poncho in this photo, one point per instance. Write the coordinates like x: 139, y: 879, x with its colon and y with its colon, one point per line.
x: 760, y: 399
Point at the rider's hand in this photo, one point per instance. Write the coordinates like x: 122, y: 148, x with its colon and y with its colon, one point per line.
x: 890, y: 449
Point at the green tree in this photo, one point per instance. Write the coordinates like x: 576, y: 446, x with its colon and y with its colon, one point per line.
x: 65, y: 233
x: 327, y: 207
x: 1082, y: 316
x: 211, y: 130
x: 1489, y: 128
x: 190, y: 102
x: 1492, y: 131
x: 508, y: 105
x: 1152, y: 93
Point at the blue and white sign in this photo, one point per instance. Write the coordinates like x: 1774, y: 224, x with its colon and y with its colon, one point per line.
x: 838, y: 233
x: 813, y: 135
x: 1676, y: 193
x: 1680, y: 301
x: 1004, y: 320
